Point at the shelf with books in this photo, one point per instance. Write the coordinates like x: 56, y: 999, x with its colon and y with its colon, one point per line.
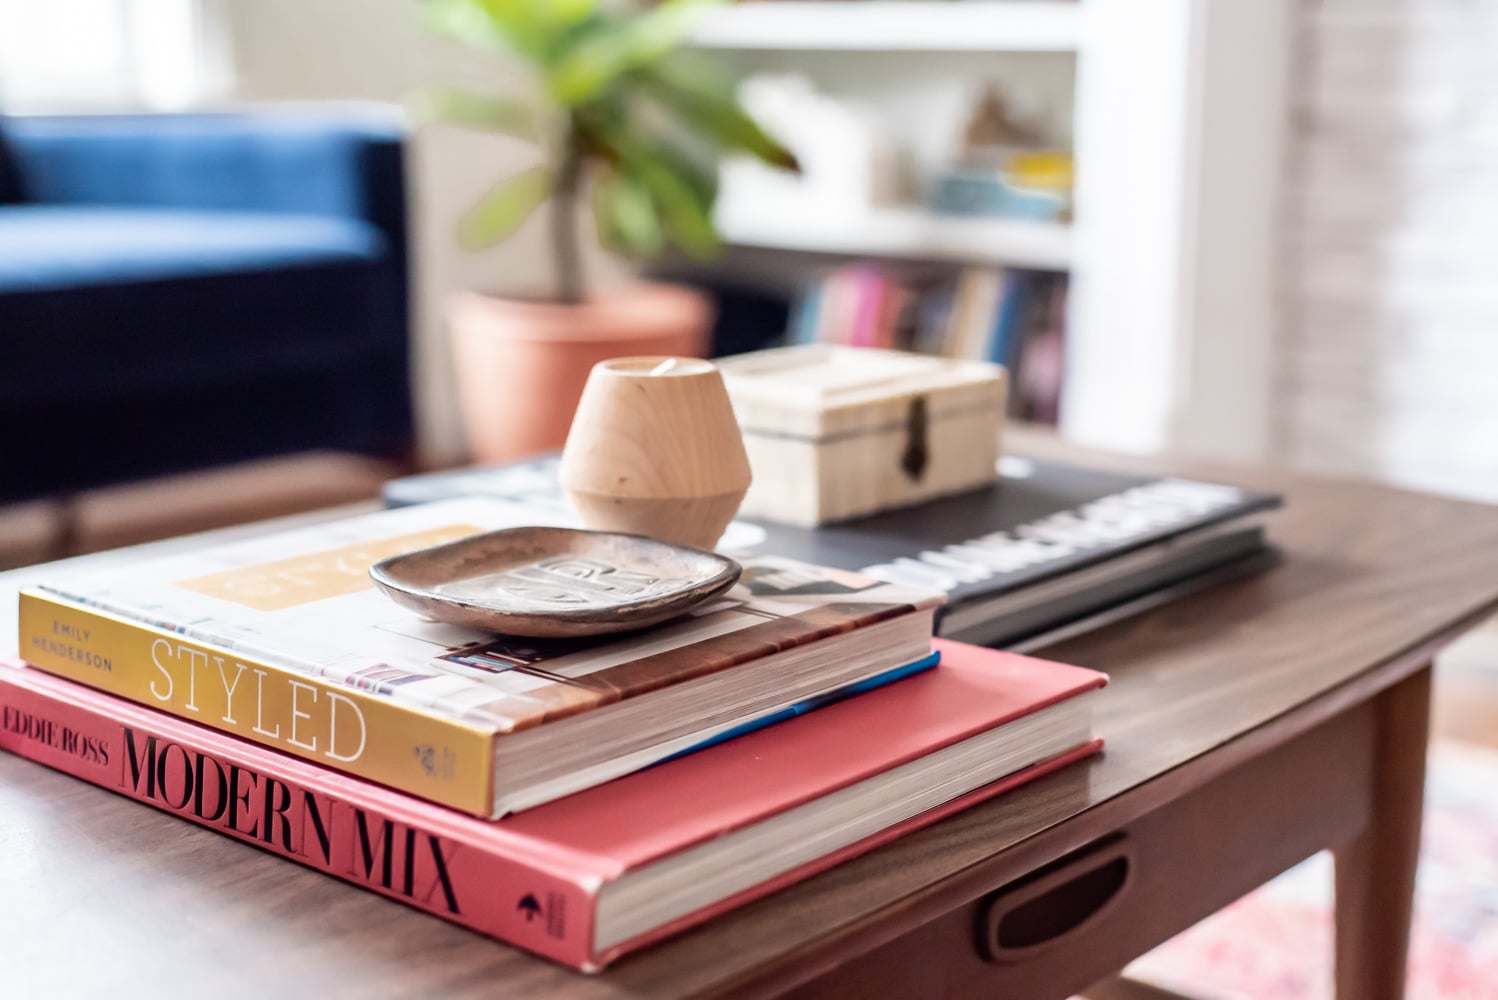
x: 896, y: 25
x: 1171, y: 158
x: 1011, y: 316
x: 909, y: 233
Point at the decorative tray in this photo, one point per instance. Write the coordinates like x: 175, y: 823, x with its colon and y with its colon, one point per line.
x: 554, y: 582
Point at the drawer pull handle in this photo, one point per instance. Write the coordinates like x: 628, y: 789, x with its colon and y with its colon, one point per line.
x: 1043, y: 909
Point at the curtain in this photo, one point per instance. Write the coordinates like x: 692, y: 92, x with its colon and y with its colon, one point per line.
x: 107, y: 55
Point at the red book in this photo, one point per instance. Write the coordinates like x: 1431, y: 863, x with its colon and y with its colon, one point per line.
x: 589, y: 877
x: 869, y: 285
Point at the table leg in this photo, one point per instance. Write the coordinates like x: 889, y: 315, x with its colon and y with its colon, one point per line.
x: 1376, y: 871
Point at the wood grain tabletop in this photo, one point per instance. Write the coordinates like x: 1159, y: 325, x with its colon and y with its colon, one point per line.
x: 101, y: 896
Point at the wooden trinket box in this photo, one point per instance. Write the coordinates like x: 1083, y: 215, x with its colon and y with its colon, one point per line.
x: 836, y: 432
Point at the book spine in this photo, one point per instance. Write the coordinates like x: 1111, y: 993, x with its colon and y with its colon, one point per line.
x: 332, y: 724
x: 812, y: 704
x: 803, y: 327
x: 1003, y: 345
x: 869, y: 291
x: 365, y: 835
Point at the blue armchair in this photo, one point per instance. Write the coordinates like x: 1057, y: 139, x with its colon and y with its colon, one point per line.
x: 179, y: 291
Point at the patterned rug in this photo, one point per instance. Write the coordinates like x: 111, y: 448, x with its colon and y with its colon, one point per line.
x: 1276, y: 943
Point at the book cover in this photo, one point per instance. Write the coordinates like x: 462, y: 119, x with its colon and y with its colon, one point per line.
x: 538, y: 879
x: 1008, y: 331
x: 284, y: 641
x: 838, y: 304
x: 973, y: 320
x: 869, y: 284
x: 1040, y: 352
x: 931, y: 321
x: 1044, y: 370
x: 806, y: 315
x: 894, y: 316
x: 1040, y: 521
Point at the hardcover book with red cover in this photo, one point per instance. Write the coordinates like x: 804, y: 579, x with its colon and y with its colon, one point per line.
x: 589, y: 877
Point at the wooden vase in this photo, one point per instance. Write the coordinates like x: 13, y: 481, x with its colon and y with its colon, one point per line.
x: 655, y: 450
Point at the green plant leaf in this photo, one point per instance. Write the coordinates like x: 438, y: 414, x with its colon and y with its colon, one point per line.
x: 529, y: 27
x: 616, y: 131
x: 626, y: 216
x: 681, y: 190
x: 524, y: 22
x: 699, y: 97
x: 565, y: 13
x: 506, y: 205
x: 599, y: 58
x: 464, y: 21
x: 698, y: 174
x: 693, y: 71
x: 456, y: 106
x: 688, y: 215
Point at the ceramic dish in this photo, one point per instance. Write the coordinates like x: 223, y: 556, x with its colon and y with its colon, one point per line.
x: 554, y: 582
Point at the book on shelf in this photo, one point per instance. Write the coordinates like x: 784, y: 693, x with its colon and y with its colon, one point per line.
x: 1047, y: 547
x: 979, y: 290
x: 1012, y: 320
x: 1011, y: 316
x: 284, y: 640
x: 1037, y: 353
x: 589, y: 877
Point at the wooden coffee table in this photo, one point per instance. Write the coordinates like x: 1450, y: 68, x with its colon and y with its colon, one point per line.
x: 1247, y: 727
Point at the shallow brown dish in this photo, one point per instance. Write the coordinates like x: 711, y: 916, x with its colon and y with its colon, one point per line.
x: 554, y: 582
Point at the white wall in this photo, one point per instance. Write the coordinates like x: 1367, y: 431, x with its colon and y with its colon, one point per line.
x: 1181, y: 118
x: 323, y: 50
x: 109, y: 55
x: 1391, y: 255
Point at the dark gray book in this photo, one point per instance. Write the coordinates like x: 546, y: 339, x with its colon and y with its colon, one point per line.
x: 1045, y: 547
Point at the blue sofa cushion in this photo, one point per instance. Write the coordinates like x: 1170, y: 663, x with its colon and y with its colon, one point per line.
x: 179, y: 291
x: 313, y: 164
x: 77, y: 246
x: 113, y: 339
x: 130, y: 379
x: 10, y: 174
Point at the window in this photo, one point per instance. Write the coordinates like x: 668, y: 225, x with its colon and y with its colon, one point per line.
x: 93, y: 55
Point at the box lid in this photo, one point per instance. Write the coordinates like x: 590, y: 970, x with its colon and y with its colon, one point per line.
x: 817, y: 390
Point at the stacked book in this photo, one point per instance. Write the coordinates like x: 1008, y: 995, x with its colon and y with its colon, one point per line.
x: 1047, y: 550
x: 578, y: 798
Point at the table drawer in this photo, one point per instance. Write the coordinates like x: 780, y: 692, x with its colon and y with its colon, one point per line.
x: 1065, y: 924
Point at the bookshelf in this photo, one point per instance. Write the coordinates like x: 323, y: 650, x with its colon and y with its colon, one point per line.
x: 1172, y: 303
x: 880, y: 96
x: 910, y: 233
x: 895, y: 26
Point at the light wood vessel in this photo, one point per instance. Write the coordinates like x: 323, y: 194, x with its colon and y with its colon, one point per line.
x: 655, y: 450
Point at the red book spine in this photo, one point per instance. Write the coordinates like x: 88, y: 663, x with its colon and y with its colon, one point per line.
x: 363, y: 834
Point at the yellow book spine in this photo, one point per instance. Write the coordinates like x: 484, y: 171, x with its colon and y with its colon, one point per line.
x: 322, y: 721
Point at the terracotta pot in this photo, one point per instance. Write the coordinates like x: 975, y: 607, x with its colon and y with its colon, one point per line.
x: 521, y: 365
x: 655, y: 450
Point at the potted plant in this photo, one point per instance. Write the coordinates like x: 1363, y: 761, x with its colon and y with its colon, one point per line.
x: 632, y: 125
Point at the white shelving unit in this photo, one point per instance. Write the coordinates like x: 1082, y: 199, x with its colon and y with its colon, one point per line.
x: 1179, y: 123
x: 874, y: 28
x: 896, y: 25
x: 911, y: 233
